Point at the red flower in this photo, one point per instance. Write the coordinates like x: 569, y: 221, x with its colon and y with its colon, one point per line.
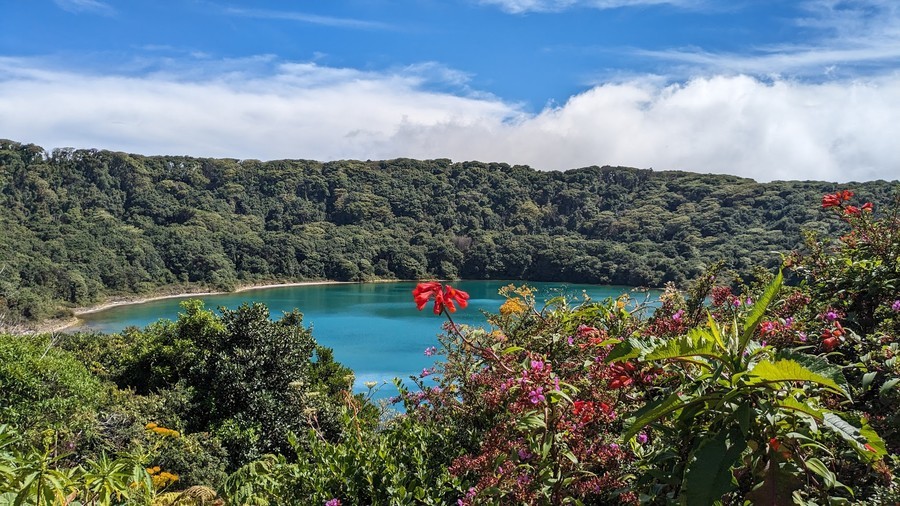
x: 444, y: 297
x: 831, y: 201
x: 621, y: 375
x: 867, y: 207
x: 830, y: 343
x: 835, y: 199
x: 452, y: 294
x: 851, y: 210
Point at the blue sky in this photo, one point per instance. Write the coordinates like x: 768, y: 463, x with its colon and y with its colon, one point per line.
x: 760, y: 88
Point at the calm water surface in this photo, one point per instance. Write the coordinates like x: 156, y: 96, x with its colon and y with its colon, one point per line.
x: 374, y: 328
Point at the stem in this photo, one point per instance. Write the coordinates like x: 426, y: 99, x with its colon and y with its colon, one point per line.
x: 487, y: 352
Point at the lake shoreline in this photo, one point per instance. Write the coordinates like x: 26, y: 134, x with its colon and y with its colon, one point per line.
x: 55, y: 325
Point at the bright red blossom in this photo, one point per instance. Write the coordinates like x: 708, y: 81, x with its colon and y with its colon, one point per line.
x: 835, y: 199
x: 621, y: 375
x: 831, y: 201
x: 444, y: 297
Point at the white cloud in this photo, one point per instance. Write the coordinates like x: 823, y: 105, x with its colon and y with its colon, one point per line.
x: 520, y: 6
x: 304, y: 17
x: 846, y: 37
x: 783, y: 129
x: 76, y: 6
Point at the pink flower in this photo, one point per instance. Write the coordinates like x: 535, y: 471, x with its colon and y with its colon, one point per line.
x: 430, y: 351
x: 537, y: 365
x: 677, y: 316
x: 536, y: 396
x: 896, y: 305
x: 642, y: 438
x: 333, y: 502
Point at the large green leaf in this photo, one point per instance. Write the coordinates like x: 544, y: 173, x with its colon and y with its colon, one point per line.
x: 626, y: 350
x: 859, y: 434
x: 708, y: 476
x: 758, y: 311
x: 790, y: 370
x: 820, y: 366
x: 698, y: 342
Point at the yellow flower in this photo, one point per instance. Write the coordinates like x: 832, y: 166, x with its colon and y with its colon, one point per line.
x: 164, y: 432
x: 513, y: 306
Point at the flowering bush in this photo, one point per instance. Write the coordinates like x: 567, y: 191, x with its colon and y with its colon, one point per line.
x: 722, y: 395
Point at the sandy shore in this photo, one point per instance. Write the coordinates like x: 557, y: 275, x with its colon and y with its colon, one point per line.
x: 61, y: 324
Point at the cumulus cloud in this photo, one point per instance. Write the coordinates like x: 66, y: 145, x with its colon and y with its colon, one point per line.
x: 774, y: 129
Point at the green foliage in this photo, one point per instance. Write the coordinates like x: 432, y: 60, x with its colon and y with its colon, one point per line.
x: 34, y: 476
x: 42, y: 386
x: 80, y: 225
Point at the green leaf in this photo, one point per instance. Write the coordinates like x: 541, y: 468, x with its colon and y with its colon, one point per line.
x: 714, y: 329
x: 758, y: 311
x: 817, y: 466
x: 790, y: 370
x: 708, y: 476
x: 795, y: 405
x: 858, y: 435
x: 867, y: 379
x: 888, y: 385
x: 626, y: 350
x: 531, y: 422
x: 652, y: 412
x: 819, y: 366
x: 697, y: 343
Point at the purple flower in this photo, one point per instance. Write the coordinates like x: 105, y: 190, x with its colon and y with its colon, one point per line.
x: 749, y: 301
x: 333, y: 502
x: 525, y: 454
x: 571, y: 339
x: 430, y: 351
x: 613, y: 446
x: 736, y: 303
x: 536, y: 396
x: 802, y: 336
x: 642, y: 438
x: 537, y: 365
x: 831, y: 316
x: 788, y: 322
x: 677, y: 316
x: 896, y: 305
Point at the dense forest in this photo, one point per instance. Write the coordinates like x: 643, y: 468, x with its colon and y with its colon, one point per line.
x: 80, y: 225
x: 780, y: 390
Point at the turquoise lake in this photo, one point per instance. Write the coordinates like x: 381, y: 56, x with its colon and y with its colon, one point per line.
x: 374, y: 328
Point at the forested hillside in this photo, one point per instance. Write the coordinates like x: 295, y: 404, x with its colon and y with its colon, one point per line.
x: 78, y: 225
